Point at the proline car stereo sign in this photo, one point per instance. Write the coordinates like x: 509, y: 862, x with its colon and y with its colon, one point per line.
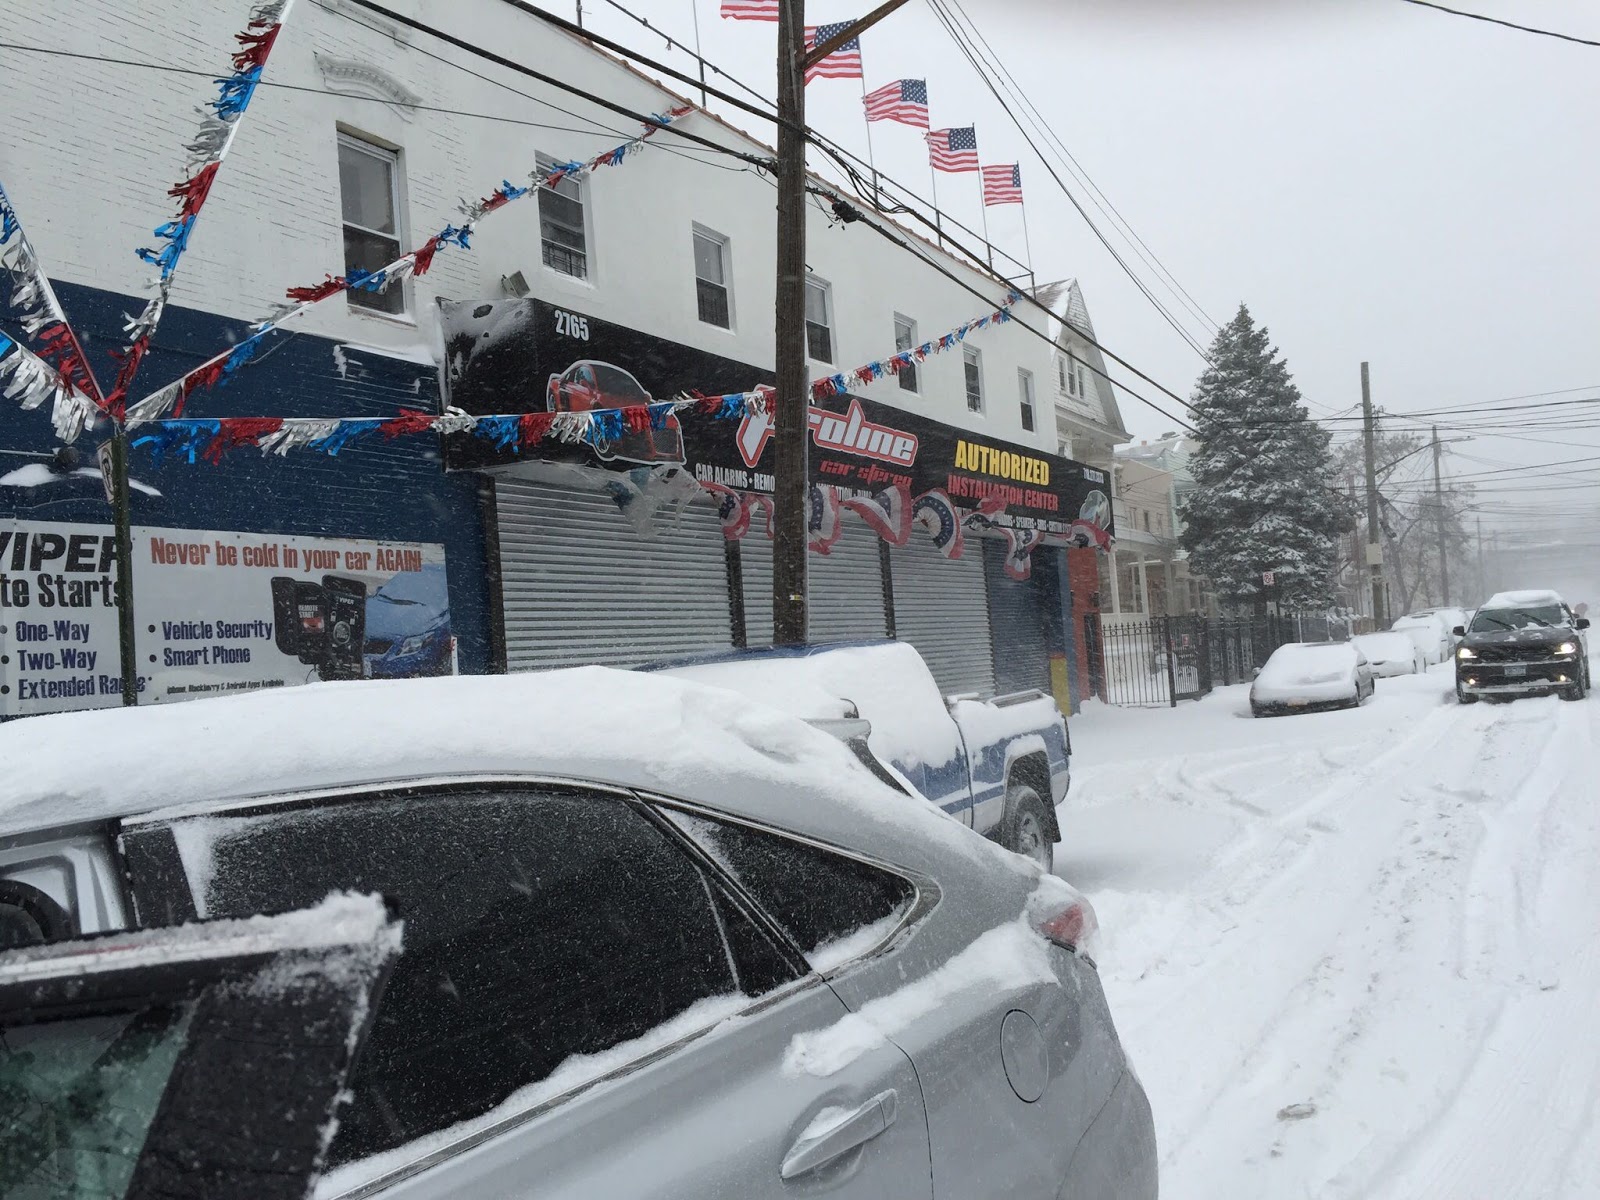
x: 216, y: 612
x: 515, y: 356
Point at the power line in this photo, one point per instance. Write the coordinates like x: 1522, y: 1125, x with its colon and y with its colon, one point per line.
x: 1103, y: 202
x: 1549, y: 33
x: 983, y: 75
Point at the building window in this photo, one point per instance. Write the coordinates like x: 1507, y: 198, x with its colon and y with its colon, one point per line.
x: 1072, y: 375
x: 369, y: 195
x: 972, y: 362
x: 711, y: 278
x: 1146, y: 513
x: 564, y: 242
x: 819, y: 320
x: 1025, y: 395
x: 1061, y: 375
x: 905, y: 337
x: 1083, y: 379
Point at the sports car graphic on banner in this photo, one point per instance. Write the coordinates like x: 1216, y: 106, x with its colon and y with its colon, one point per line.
x: 891, y: 467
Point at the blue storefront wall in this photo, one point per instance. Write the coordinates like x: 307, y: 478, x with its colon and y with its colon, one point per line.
x: 395, y: 491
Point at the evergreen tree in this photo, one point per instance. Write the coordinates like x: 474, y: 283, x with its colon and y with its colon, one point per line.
x: 1263, y: 498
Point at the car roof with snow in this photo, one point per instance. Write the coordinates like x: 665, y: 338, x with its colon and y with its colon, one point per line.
x: 629, y: 729
x: 1385, y: 641
x: 1533, y: 598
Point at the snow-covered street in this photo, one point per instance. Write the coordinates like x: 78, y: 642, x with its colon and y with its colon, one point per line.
x: 1352, y: 954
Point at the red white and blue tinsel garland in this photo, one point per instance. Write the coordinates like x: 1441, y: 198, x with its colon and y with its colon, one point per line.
x: 838, y: 385
x: 74, y: 389
x: 210, y: 146
x: 29, y: 381
x: 219, y: 369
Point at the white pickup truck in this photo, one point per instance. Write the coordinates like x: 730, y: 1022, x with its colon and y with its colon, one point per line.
x: 999, y: 764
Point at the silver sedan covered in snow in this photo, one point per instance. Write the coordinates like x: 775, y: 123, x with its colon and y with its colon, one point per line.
x: 1302, y: 676
x: 1392, y: 652
x: 659, y: 940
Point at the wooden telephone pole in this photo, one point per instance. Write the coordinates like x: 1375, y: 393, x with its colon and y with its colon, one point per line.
x: 791, y: 491
x: 1374, y: 545
x: 1438, y: 523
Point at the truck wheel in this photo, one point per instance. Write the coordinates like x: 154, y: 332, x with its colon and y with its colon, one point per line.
x: 1463, y: 697
x: 1027, y: 827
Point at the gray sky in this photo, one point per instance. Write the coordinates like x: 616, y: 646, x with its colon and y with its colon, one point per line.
x: 1375, y: 180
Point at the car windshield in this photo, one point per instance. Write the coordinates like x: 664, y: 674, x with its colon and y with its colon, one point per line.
x: 1494, y: 620
x: 77, y: 1099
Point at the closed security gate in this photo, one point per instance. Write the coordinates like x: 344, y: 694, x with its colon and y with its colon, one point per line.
x: 941, y: 606
x: 1019, y: 621
x: 845, y: 589
x: 582, y: 585
x: 755, y: 565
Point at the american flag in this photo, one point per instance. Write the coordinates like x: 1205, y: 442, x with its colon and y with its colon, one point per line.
x: 1003, y: 184
x: 750, y: 10
x: 843, y: 63
x: 904, y: 100
x: 954, y: 149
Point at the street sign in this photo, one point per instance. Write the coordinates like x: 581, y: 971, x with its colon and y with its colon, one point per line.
x: 1268, y: 578
x: 103, y: 457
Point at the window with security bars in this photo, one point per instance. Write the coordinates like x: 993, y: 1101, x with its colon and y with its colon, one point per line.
x: 819, y: 320
x: 711, y: 278
x: 972, y: 364
x: 369, y: 198
x: 905, y: 337
x: 1025, y: 396
x: 562, y: 233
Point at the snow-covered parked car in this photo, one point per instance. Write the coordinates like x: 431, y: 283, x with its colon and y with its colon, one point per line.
x: 1430, y: 633
x: 1000, y: 765
x: 660, y: 941
x: 1305, y: 676
x: 1391, y: 653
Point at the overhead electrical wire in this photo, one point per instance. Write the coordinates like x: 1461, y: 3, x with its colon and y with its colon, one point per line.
x: 1472, y: 16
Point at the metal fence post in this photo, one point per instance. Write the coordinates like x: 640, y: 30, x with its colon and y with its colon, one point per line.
x: 1172, y: 678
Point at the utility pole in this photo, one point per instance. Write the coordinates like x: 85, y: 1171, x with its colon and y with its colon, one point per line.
x: 1374, y: 546
x: 1438, y: 522
x: 791, y: 492
x: 122, y: 527
x: 792, y: 400
x: 1483, y: 579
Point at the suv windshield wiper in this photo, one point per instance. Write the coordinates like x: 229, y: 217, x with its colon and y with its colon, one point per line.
x: 1495, y: 619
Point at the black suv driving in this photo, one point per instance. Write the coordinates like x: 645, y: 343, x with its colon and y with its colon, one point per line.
x: 1522, y: 643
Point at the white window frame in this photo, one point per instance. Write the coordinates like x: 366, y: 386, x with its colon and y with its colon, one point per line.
x: 910, y: 377
x: 1083, y: 379
x: 826, y: 289
x: 1072, y: 374
x: 725, y: 252
x: 1025, y: 400
x: 389, y: 155
x: 972, y: 357
x: 1061, y: 373
x: 545, y: 162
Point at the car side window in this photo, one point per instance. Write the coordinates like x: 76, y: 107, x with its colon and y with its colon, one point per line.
x: 540, y: 924
x: 833, y: 907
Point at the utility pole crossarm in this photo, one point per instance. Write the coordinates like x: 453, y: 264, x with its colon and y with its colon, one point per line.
x: 854, y: 31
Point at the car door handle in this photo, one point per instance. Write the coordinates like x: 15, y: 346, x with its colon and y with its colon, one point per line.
x: 842, y: 1135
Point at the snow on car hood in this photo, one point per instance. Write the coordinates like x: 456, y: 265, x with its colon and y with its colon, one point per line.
x: 1300, y: 665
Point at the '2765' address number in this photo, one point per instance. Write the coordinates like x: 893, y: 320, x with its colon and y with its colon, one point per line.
x: 571, y: 325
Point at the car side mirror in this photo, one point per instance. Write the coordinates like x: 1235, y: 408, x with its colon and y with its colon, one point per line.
x: 1583, y: 622
x: 1459, y: 631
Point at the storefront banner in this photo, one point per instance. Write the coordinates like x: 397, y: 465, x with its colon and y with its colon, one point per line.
x: 513, y: 356
x: 216, y: 612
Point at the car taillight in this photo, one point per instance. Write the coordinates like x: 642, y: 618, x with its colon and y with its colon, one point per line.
x: 1072, y: 927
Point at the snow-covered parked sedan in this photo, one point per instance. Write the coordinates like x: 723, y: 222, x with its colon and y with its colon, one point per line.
x: 1000, y: 764
x: 1431, y: 634
x: 660, y: 941
x: 1304, y: 676
x: 1391, y: 653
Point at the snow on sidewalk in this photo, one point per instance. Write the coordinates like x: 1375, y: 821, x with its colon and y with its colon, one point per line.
x: 1352, y: 954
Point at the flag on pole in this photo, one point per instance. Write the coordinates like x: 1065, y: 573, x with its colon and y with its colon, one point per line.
x: 1002, y: 184
x: 843, y: 63
x: 954, y: 149
x: 750, y: 10
x: 904, y: 100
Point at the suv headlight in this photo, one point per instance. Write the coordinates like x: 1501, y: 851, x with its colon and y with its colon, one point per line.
x: 1466, y: 652
x: 1567, y: 648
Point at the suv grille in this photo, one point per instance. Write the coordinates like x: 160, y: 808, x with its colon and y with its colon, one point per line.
x: 1528, y: 652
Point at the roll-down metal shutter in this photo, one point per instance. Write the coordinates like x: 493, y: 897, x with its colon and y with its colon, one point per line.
x: 845, y: 589
x: 755, y: 565
x: 941, y: 606
x: 1018, y: 621
x: 582, y: 585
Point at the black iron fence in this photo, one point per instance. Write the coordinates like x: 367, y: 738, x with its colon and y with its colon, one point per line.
x: 1162, y: 660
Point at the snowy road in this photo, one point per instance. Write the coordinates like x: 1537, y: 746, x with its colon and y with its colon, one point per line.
x: 1352, y: 954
